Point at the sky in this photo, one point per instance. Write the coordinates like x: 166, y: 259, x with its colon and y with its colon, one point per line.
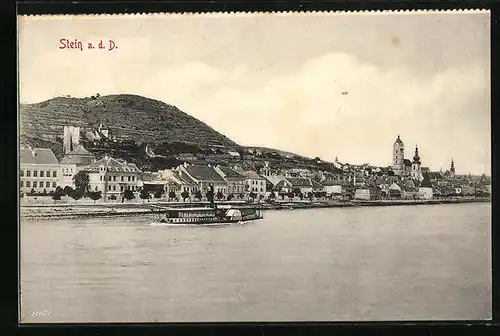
x: 317, y: 84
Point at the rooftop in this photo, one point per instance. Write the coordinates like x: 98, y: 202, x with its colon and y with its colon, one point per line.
x: 112, y: 165
x: 253, y: 175
x: 204, y: 173
x: 228, y: 172
x: 299, y: 181
x: 40, y: 156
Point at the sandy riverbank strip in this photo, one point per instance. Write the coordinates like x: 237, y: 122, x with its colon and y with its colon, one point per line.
x: 48, y: 211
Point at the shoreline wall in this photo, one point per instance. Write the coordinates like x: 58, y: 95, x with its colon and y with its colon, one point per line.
x: 112, y: 210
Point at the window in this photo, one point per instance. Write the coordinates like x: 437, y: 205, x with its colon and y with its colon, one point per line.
x: 129, y: 178
x: 109, y: 178
x: 100, y: 177
x: 48, y: 173
x: 261, y: 190
x: 28, y: 184
x: 109, y: 187
x: 114, y: 187
x: 28, y: 173
x: 133, y: 178
x: 21, y: 184
x: 41, y: 173
x: 54, y: 184
x: 21, y: 173
x: 47, y: 184
x: 121, y: 188
x: 54, y: 174
x: 114, y: 178
x: 35, y: 184
x: 35, y: 173
x: 122, y: 178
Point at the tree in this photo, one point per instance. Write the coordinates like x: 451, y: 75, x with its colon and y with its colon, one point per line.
x: 112, y: 197
x: 57, y: 194
x: 220, y: 195
x: 128, y: 195
x: 252, y: 195
x: 144, y: 195
x: 81, y: 181
x: 59, y: 190
x: 171, y: 195
x: 76, y: 194
x: 310, y: 195
x: 230, y: 197
x: 95, y: 195
x: 272, y: 195
x: 68, y: 190
x: 158, y: 193
x: 184, y: 195
x: 198, y: 195
x: 290, y: 194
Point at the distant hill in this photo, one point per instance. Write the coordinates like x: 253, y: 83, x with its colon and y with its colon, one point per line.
x: 126, y: 116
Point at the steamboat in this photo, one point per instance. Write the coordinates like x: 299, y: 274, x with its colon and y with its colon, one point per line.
x: 213, y: 215
x: 209, y: 216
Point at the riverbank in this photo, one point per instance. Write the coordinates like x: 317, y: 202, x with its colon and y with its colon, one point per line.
x: 56, y: 211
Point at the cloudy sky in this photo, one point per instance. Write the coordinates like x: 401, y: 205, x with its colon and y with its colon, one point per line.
x: 327, y: 85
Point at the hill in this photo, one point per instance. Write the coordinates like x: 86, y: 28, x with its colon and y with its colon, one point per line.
x: 148, y: 132
x: 126, y: 116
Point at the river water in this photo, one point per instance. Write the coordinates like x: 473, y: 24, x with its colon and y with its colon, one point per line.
x: 372, y: 263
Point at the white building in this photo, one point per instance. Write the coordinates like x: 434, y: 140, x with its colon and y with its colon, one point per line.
x: 332, y: 187
x: 362, y: 194
x: 38, y: 170
x: 255, y: 183
x: 112, y: 176
x: 73, y: 162
x: 425, y: 189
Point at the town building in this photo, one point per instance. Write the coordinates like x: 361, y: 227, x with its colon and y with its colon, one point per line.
x: 73, y: 162
x: 176, y: 182
x: 236, y: 185
x: 425, y: 189
x: 302, y: 184
x: 395, y: 191
x: 255, y: 183
x: 332, y: 187
x: 362, y: 193
x: 205, y: 177
x: 112, y: 177
x: 38, y: 170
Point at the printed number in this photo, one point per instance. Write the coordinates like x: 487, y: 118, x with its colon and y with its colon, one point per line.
x: 41, y: 313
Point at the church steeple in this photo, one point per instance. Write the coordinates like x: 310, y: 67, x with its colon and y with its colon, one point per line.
x: 452, y: 167
x: 416, y: 157
x: 416, y: 172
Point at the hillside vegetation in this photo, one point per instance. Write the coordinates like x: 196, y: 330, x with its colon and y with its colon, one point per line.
x: 150, y: 133
x: 127, y: 116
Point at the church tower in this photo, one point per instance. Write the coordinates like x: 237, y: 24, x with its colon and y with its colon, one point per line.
x: 416, y: 172
x: 452, y: 168
x: 398, y: 155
